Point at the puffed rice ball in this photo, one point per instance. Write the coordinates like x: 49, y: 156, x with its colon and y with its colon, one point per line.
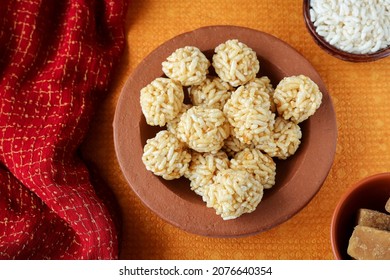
x: 212, y: 92
x: 172, y: 125
x: 287, y: 138
x: 269, y: 146
x: 248, y: 111
x: 166, y: 156
x: 259, y: 165
x: 233, y: 193
x: 235, y: 63
x: 264, y: 84
x: 203, y: 129
x: 187, y: 65
x: 297, y: 98
x: 203, y: 168
x: 161, y: 101
x: 233, y: 145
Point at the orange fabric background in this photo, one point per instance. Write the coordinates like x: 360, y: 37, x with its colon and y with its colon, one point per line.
x: 360, y: 94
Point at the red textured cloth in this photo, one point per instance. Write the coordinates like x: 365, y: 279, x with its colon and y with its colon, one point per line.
x: 55, y: 62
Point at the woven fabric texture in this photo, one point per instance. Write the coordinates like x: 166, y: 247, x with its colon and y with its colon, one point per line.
x: 361, y: 98
x: 48, y: 89
x: 55, y: 61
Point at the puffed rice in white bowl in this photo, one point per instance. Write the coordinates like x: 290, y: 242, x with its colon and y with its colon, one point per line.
x: 355, y: 31
x: 173, y: 200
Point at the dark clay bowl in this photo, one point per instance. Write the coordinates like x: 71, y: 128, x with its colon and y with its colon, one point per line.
x: 298, y: 178
x: 371, y: 193
x: 333, y: 51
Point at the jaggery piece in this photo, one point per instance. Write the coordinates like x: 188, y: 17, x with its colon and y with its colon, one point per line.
x: 387, y: 206
x: 368, y: 243
x: 372, y: 218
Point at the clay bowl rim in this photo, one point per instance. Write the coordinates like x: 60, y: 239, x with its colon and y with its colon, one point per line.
x: 333, y: 51
x: 342, y: 203
x: 194, y: 217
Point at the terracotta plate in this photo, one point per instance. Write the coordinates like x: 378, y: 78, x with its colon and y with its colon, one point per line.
x: 298, y: 178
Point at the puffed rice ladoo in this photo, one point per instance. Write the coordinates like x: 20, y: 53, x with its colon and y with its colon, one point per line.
x: 233, y: 193
x: 187, y: 65
x: 203, y: 129
x: 166, y: 156
x: 226, y: 140
x: 297, y: 98
x: 161, y: 101
x: 235, y: 62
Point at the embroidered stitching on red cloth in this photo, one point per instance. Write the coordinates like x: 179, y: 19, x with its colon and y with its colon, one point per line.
x: 55, y: 62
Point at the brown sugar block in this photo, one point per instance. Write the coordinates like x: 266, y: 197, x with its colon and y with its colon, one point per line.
x: 387, y: 206
x: 368, y: 243
x: 372, y: 218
